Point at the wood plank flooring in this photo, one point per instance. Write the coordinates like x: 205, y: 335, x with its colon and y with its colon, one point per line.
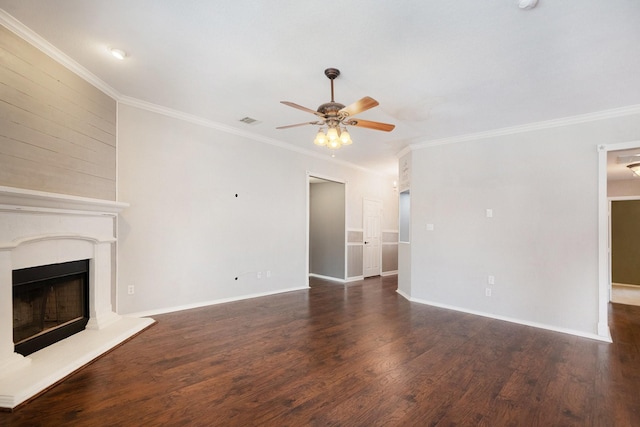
x: 354, y: 355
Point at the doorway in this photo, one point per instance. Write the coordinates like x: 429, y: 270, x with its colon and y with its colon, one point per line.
x: 326, y: 228
x: 604, y: 235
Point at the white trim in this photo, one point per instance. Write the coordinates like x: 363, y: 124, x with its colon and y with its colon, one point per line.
x: 510, y: 319
x: 547, y: 124
x: 27, y: 34
x: 200, y: 121
x: 329, y: 278
x: 389, y: 273
x: 211, y: 302
x: 19, y: 199
x: 356, y: 229
x: 354, y: 279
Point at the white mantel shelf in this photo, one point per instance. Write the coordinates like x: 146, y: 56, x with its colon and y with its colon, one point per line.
x: 19, y: 199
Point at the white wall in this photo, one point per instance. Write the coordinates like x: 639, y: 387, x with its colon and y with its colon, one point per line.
x: 186, y: 236
x: 542, y: 242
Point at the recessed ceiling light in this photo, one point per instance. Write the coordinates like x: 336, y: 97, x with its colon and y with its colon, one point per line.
x: 527, y: 4
x: 118, y: 53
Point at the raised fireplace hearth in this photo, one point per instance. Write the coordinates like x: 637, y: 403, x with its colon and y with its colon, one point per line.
x: 46, y: 232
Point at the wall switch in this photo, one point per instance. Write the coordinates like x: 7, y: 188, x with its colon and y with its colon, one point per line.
x: 259, y: 275
x: 491, y: 280
x: 430, y: 227
x: 489, y: 213
x: 268, y: 273
x: 487, y: 292
x: 131, y: 290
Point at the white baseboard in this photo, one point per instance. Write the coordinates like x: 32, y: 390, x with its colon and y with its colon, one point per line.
x: 389, y: 273
x: 329, y: 278
x: 211, y: 302
x: 604, y: 337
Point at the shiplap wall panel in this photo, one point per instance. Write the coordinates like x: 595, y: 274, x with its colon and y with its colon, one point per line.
x: 28, y: 95
x: 57, y: 131
x: 87, y: 96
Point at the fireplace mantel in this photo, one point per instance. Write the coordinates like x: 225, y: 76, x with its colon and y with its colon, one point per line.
x: 39, y: 201
x: 40, y: 228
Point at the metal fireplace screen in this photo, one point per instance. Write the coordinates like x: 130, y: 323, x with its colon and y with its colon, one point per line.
x: 50, y: 303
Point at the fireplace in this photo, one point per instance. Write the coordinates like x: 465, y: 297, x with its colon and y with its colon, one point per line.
x: 47, y: 232
x: 50, y: 303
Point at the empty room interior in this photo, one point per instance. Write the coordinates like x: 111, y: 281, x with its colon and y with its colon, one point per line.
x: 315, y: 213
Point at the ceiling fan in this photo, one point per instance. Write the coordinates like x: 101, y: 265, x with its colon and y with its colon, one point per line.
x: 336, y: 117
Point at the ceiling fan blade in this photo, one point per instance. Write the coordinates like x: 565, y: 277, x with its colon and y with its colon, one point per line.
x: 359, y: 106
x: 300, y: 107
x: 371, y: 125
x: 299, y: 124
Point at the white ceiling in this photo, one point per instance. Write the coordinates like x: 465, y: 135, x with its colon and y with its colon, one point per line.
x: 439, y: 68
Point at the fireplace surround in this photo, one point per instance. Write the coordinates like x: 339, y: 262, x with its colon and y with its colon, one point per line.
x: 39, y: 229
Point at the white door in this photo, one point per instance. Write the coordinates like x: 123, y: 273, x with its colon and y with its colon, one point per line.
x: 371, y: 219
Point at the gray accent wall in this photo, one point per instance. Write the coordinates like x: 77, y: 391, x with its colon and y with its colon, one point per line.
x: 327, y: 229
x: 57, y: 131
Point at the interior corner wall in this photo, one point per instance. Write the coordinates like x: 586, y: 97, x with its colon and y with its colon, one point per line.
x: 541, y: 243
x: 186, y: 236
x: 327, y: 229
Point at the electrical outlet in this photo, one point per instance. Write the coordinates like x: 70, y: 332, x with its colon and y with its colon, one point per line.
x: 491, y: 280
x: 259, y: 275
x: 131, y: 290
x: 268, y: 273
x: 487, y: 292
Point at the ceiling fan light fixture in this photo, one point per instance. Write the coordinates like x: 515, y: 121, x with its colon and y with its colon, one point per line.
x: 321, y: 138
x: 334, y: 144
x: 332, y: 134
x: 335, y: 116
x: 635, y: 168
x: 345, y: 138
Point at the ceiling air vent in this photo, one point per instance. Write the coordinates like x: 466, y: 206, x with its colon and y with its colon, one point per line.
x: 248, y: 120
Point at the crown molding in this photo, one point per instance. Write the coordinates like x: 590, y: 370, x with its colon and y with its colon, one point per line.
x: 200, y: 121
x: 17, y: 27
x: 547, y: 124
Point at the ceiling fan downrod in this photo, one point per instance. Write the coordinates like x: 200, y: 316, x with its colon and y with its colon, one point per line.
x: 332, y: 73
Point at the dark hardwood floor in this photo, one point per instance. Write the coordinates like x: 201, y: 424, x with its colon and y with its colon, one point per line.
x: 354, y: 355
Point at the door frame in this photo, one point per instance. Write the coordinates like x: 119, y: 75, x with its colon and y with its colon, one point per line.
x: 604, y: 254
x: 309, y: 176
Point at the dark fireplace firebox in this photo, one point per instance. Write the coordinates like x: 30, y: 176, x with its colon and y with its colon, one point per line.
x: 50, y: 303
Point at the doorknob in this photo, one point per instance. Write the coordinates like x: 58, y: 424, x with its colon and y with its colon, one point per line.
x: 366, y: 243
